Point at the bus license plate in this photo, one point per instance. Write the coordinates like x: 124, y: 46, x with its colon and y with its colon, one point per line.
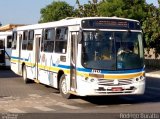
x: 117, y: 89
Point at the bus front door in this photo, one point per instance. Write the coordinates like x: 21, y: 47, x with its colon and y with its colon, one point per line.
x: 73, y: 62
x: 36, y: 54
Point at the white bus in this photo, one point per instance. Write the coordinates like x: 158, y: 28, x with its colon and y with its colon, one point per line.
x: 5, y: 48
x: 82, y: 56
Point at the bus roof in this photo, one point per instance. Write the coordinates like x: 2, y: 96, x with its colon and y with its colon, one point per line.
x: 6, y: 33
x: 65, y: 22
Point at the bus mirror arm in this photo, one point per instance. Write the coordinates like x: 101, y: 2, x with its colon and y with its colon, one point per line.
x: 79, y: 36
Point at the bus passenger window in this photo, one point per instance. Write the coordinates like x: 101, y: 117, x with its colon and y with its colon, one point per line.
x: 61, y: 40
x: 1, y: 44
x: 9, y: 41
x: 14, y: 43
x: 49, y: 40
x: 25, y: 40
x: 30, y: 40
x: 42, y: 44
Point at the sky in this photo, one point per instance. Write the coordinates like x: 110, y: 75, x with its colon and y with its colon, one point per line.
x: 28, y: 11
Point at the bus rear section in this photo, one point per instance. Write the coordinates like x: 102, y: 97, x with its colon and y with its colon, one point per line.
x: 5, y: 48
x: 2, y: 53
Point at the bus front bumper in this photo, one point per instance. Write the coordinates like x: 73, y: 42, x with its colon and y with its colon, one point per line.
x: 88, y: 89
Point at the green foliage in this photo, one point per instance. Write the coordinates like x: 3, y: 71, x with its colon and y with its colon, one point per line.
x: 56, y: 11
x: 111, y: 8
x: 151, y: 27
x: 134, y: 9
x: 87, y: 10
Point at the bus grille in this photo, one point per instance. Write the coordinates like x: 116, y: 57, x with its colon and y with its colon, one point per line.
x: 109, y: 82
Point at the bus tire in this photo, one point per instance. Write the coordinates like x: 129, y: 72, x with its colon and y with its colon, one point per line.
x: 24, y: 74
x: 63, y: 87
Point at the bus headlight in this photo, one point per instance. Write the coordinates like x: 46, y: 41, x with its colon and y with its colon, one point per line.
x: 92, y: 80
x: 137, y: 79
x: 89, y: 80
x: 86, y: 78
x: 141, y: 78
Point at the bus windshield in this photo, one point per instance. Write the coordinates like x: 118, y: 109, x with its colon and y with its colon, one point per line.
x: 112, y: 50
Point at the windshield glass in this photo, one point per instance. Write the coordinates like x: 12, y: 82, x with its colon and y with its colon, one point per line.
x: 112, y: 50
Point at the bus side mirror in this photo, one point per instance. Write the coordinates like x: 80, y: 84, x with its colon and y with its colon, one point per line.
x: 144, y: 42
x: 79, y: 36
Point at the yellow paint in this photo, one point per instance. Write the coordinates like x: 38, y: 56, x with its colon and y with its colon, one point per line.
x: 36, y: 81
x: 72, y: 92
x: 114, y: 76
x: 123, y: 76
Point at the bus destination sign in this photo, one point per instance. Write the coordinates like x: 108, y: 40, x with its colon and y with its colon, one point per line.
x: 110, y: 24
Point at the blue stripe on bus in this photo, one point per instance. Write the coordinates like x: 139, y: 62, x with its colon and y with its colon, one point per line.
x: 104, y: 71
x: 111, y: 72
x: 92, y: 70
x: 62, y: 66
x: 17, y: 58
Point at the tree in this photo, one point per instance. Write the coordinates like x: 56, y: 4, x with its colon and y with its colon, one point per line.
x: 151, y: 27
x: 87, y: 10
x: 56, y: 11
x: 110, y: 8
x: 134, y: 9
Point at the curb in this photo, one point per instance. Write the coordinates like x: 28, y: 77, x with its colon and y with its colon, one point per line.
x: 152, y: 75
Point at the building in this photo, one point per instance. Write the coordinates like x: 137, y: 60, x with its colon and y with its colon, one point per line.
x: 9, y: 27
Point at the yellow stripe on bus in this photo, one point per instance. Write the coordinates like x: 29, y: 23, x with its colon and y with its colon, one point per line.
x: 113, y: 76
x: 124, y: 76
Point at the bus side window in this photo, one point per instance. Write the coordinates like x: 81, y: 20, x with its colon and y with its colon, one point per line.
x: 1, y: 44
x: 42, y: 43
x: 9, y: 41
x: 61, y: 40
x: 25, y: 39
x: 49, y: 40
x: 30, y: 40
x: 14, y: 43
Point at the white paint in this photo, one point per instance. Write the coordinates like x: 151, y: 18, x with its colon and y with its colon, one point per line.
x: 42, y: 108
x: 67, y: 106
x: 16, y: 110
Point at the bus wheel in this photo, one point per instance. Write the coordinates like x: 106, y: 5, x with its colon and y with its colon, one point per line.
x: 63, y: 87
x: 24, y: 74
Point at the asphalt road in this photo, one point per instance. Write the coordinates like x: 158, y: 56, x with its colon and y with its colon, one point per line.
x: 38, y: 101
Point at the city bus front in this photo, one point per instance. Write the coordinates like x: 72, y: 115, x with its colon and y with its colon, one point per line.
x: 112, y: 59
